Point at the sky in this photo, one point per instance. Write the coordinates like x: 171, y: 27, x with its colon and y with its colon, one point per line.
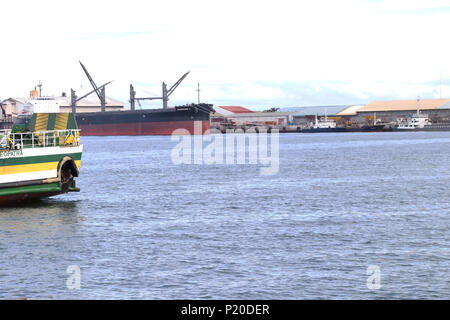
x: 257, y: 54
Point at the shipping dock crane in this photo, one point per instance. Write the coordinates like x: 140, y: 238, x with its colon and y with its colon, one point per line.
x: 165, y: 94
x: 100, y: 91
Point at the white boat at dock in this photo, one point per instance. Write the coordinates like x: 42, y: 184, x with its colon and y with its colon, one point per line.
x: 415, y: 121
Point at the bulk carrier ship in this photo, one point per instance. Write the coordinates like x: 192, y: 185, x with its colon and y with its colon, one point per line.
x: 145, y: 122
x: 165, y: 121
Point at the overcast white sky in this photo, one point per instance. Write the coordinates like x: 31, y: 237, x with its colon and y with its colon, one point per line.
x: 252, y: 53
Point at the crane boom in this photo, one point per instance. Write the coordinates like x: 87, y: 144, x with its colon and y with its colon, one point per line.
x: 96, y: 89
x: 100, y: 91
x: 172, y: 89
x: 102, y: 86
x: 164, y: 97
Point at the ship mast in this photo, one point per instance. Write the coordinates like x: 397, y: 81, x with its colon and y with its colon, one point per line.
x: 165, y: 93
x: 40, y: 88
x: 418, y: 105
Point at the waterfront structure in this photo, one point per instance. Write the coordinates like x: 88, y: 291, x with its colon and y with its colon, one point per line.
x: 438, y: 110
x: 387, y: 112
x: 231, y: 110
x: 16, y: 106
x: 262, y: 118
x: 237, y: 117
x: 304, y: 116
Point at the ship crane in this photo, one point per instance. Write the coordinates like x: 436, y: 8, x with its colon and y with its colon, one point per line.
x: 100, y: 91
x: 3, y: 110
x: 165, y: 94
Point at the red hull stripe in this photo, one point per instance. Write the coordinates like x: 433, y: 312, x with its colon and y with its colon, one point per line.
x: 140, y: 128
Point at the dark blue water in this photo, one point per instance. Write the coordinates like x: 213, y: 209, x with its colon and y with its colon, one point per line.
x: 142, y: 227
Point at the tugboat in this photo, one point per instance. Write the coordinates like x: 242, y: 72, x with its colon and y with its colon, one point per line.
x: 417, y: 121
x: 325, y: 125
x: 40, y: 156
x: 376, y: 126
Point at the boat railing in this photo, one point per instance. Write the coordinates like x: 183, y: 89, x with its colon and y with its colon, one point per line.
x: 42, y: 139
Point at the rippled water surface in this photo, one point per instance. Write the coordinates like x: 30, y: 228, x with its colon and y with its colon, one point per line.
x: 145, y: 228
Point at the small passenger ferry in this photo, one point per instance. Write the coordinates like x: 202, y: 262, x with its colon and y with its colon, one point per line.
x: 41, y: 155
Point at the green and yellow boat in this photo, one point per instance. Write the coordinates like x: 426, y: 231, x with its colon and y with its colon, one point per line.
x: 39, y: 157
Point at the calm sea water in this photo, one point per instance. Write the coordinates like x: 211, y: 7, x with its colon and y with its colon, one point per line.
x: 144, y: 228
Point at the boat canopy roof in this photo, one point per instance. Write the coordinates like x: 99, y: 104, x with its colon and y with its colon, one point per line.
x: 45, y: 122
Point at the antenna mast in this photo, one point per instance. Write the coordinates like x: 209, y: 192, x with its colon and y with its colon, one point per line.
x: 418, y: 105
x: 40, y: 88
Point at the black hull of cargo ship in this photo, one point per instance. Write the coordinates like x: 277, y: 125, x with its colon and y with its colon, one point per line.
x: 369, y: 128
x: 314, y: 130
x: 189, y: 119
